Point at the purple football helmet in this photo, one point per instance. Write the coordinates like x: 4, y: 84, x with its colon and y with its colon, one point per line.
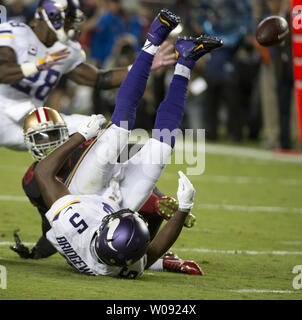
x: 54, y: 13
x: 74, y: 10
x: 122, y: 239
x: 76, y: 16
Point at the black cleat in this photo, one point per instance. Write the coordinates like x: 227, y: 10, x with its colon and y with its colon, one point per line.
x: 161, y: 26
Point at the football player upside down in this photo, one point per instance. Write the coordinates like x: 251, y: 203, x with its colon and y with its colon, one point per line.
x: 94, y: 216
x: 45, y: 130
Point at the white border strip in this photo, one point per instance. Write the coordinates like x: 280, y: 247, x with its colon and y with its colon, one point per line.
x: 13, y: 198
x: 262, y: 291
x: 234, y: 151
x: 230, y: 207
x: 9, y: 243
x: 208, y: 206
x: 252, y: 153
x: 201, y: 250
x: 248, y: 252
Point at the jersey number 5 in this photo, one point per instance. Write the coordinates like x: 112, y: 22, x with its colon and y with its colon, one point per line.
x: 81, y: 223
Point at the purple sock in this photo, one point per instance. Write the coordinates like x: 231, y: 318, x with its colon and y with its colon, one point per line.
x: 171, y: 110
x: 131, y: 91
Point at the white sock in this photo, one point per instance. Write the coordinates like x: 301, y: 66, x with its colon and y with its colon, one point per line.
x: 157, y: 265
x: 150, y: 48
x: 182, y: 70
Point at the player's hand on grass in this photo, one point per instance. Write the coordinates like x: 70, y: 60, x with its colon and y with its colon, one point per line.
x: 165, y: 56
x: 91, y: 126
x: 20, y: 248
x: 185, y: 193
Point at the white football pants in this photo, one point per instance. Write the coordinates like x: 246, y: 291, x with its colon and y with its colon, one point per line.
x: 137, y: 176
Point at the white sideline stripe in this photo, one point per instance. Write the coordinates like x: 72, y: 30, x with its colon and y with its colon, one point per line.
x: 248, y: 180
x: 237, y: 151
x: 226, y: 207
x: 262, y: 291
x: 298, y: 243
x: 249, y: 252
x: 201, y: 250
x: 13, y: 198
x: 237, y: 179
x: 252, y: 153
x: 9, y: 243
x: 230, y: 207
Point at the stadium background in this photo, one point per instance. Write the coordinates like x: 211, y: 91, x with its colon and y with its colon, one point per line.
x: 248, y: 202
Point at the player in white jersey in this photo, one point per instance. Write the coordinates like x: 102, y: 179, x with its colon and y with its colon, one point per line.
x: 45, y: 130
x: 34, y: 57
x: 101, y: 233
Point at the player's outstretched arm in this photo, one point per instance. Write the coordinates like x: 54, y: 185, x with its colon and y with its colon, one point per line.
x: 12, y: 72
x: 46, y: 170
x: 170, y: 232
x: 88, y: 75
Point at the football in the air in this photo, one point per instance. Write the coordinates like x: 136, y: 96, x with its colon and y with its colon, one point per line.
x: 272, y: 31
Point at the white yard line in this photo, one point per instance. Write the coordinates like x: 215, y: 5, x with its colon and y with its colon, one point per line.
x: 295, y: 243
x: 209, y: 206
x: 237, y: 151
x: 13, y: 198
x: 237, y: 179
x: 234, y: 151
x: 9, y: 243
x: 262, y: 291
x: 247, y: 180
x: 248, y: 252
x: 231, y: 207
x: 202, y: 250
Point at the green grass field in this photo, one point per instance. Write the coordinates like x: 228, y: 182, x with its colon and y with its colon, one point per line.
x: 247, y: 238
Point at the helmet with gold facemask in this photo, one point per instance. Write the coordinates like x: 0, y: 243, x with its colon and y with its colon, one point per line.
x: 44, y: 130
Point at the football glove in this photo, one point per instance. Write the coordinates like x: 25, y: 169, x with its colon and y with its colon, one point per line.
x: 20, y: 248
x: 185, y: 193
x: 172, y: 263
x: 91, y: 126
x: 52, y: 59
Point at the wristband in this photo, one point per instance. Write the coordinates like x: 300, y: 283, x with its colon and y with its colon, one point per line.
x: 185, y: 207
x: 29, y: 69
x: 186, y: 210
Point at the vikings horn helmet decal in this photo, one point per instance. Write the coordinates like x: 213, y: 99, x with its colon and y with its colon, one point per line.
x: 122, y: 239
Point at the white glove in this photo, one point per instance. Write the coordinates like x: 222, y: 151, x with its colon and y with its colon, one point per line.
x: 91, y: 126
x: 185, y: 193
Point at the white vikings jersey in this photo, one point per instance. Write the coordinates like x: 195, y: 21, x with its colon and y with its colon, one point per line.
x: 74, y: 220
x: 28, y: 48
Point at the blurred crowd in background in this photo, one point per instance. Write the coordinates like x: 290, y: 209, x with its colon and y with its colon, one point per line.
x: 240, y: 93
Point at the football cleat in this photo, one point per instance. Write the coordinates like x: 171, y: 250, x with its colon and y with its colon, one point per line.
x: 161, y: 26
x: 189, y: 50
x: 172, y: 263
x: 167, y: 206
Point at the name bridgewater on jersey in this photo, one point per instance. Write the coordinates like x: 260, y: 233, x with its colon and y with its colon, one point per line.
x: 74, y: 220
x: 73, y: 257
